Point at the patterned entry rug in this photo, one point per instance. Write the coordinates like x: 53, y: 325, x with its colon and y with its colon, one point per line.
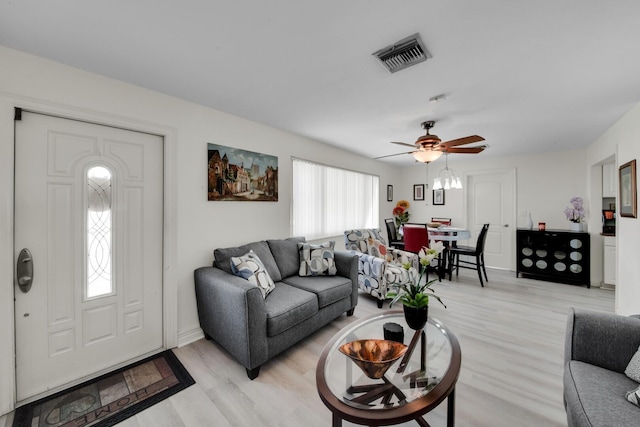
x: 111, y: 398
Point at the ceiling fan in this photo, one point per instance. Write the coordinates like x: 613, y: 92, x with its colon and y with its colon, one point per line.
x: 428, y: 147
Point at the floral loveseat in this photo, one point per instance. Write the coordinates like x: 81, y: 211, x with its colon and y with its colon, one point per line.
x: 378, y: 265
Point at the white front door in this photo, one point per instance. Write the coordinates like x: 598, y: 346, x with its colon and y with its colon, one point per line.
x: 89, y: 208
x: 491, y: 199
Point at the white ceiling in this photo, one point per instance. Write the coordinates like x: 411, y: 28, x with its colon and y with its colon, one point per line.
x: 528, y: 76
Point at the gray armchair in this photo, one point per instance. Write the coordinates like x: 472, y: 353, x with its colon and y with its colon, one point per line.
x: 598, y: 348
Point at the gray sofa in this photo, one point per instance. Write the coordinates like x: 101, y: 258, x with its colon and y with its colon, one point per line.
x: 598, y: 348
x: 252, y: 328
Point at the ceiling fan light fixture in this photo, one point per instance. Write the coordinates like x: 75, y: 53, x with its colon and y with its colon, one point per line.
x: 426, y: 156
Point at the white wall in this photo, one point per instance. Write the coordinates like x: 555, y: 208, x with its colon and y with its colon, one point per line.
x: 622, y: 140
x: 200, y: 226
x: 544, y: 184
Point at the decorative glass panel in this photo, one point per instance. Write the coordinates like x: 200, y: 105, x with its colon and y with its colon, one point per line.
x: 99, y: 228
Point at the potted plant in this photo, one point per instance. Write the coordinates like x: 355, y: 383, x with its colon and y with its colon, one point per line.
x: 401, y: 214
x: 415, y: 295
x: 575, y: 213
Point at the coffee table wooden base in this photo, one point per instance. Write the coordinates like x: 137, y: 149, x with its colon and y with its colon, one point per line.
x: 336, y: 421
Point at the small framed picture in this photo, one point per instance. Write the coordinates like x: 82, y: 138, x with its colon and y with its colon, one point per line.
x: 418, y: 192
x: 438, y: 197
x: 627, y: 186
x: 389, y: 193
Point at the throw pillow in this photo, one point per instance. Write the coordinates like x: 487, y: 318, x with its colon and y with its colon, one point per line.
x: 633, y: 368
x: 249, y: 267
x: 634, y: 396
x: 378, y: 249
x: 317, y: 260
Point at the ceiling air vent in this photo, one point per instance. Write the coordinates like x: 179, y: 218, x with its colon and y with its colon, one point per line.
x: 405, y: 53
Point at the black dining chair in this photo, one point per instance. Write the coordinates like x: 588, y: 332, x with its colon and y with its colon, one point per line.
x: 477, y: 252
x: 394, y: 241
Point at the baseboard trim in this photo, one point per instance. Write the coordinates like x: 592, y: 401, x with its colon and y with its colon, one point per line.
x: 187, y: 337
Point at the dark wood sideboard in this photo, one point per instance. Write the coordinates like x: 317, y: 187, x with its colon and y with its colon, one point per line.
x: 554, y: 255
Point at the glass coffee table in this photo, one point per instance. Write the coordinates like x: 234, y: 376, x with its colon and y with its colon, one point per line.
x: 413, y: 385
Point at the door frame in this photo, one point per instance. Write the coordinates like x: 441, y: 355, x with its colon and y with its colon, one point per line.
x: 513, y: 225
x: 8, y: 103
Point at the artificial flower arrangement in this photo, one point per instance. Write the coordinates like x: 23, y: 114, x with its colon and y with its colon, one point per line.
x: 575, y: 212
x: 401, y: 213
x: 414, y: 294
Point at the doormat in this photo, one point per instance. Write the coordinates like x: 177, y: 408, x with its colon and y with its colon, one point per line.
x: 111, y: 398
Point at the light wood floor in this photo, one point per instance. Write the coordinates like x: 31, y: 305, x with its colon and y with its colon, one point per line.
x: 512, y: 338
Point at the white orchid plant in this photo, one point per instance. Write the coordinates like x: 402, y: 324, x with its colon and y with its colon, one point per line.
x: 413, y: 294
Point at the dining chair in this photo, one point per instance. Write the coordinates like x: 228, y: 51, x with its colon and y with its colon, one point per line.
x: 477, y: 252
x: 394, y: 240
x: 416, y: 237
x: 443, y: 221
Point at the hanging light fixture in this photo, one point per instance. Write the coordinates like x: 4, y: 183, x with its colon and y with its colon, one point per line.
x: 447, y: 178
x: 426, y: 156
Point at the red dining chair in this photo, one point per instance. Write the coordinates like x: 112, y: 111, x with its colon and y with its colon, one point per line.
x: 416, y: 237
x: 443, y: 221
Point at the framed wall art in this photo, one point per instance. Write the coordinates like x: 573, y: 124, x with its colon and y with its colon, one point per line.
x: 418, y: 192
x: 438, y: 197
x: 241, y: 175
x: 628, y: 191
x: 389, y: 193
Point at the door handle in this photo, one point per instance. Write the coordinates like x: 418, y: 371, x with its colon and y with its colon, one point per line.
x: 24, y: 270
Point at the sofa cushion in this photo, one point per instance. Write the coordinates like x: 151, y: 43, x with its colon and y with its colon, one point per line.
x: 249, y: 267
x: 222, y: 257
x: 633, y: 368
x: 593, y: 394
x: 327, y: 289
x: 317, y: 260
x: 378, y: 249
x: 287, y: 306
x: 285, y: 253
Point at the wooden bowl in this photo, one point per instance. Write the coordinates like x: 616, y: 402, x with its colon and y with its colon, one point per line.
x: 434, y: 224
x: 374, y: 357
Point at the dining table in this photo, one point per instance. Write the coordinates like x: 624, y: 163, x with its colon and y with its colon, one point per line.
x: 450, y: 237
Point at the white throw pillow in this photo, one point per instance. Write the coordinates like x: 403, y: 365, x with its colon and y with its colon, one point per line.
x: 634, y: 396
x: 633, y: 368
x: 249, y: 266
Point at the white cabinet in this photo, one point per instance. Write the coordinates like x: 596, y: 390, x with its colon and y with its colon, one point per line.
x: 609, y: 260
x: 609, y: 180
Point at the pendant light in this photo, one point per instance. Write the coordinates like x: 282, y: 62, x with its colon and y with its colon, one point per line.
x: 447, y: 178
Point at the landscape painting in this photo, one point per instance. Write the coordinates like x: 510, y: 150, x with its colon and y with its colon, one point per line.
x: 241, y: 175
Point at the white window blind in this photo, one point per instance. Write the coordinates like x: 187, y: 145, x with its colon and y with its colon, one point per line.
x: 327, y: 200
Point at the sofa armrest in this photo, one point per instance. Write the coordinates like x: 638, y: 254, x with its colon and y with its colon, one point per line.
x: 601, y: 339
x: 232, y: 312
x: 347, y: 266
x: 402, y: 257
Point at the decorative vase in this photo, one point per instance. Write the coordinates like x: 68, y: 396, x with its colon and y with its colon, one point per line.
x: 416, y: 317
x: 577, y: 226
x: 530, y: 222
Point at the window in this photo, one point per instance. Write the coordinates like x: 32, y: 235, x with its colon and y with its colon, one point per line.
x: 327, y: 200
x: 98, y: 232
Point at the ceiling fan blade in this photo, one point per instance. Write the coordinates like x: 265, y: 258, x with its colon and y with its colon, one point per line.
x: 462, y: 141
x: 465, y: 150
x: 392, y: 155
x: 404, y: 143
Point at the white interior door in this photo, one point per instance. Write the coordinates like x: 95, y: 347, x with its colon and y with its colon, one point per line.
x: 89, y: 208
x: 491, y: 199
